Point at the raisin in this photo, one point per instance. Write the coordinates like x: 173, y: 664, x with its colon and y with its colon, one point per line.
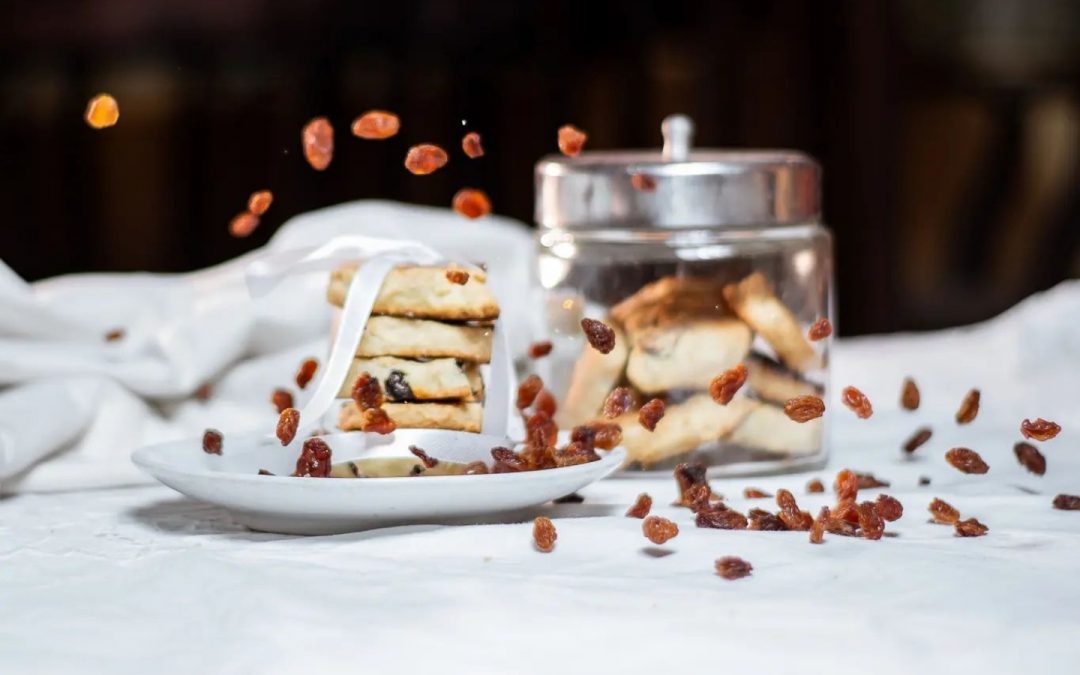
x: 398, y: 387
x: 540, y: 430
x: 942, y: 512
x: 584, y: 434
x: 651, y: 413
x: 841, y: 527
x: 607, y: 434
x: 281, y: 400
x: 618, y: 402
x: 889, y: 508
x: 288, y: 421
x: 870, y: 522
x: 765, y: 521
x: 545, y: 403
x: 642, y: 506
x: 966, y: 460
x: 755, y: 493
x: 924, y: 480
x: 314, y: 460
x: 260, y: 201
x: 692, y: 484
x: 1067, y: 502
x: 820, y: 330
x: 571, y: 140
x: 731, y: 567
x: 102, y: 111
x: 457, y: 276
x: 723, y: 386
x: 659, y: 530
x: 920, y: 437
x: 475, y: 468
x: 804, y: 408
x: 366, y: 391
x: 429, y: 461
x: 574, y: 454
x: 528, y: 390
x: 857, y: 402
x: 264, y: 472
x: 212, y: 441
x: 114, y: 335
x: 471, y: 203
x: 720, y: 519
x: 317, y: 139
x: 868, y: 481
x: 817, y: 530
x: 846, y: 510
x: 815, y: 485
x: 507, y: 461
x: 600, y: 336
x: 970, y: 528
x: 243, y: 224
x: 969, y: 407
x: 470, y: 144
x: 539, y: 350
x: 1040, y: 429
x: 204, y: 392
x: 642, y: 182
x: 1030, y: 458
x: 375, y: 125
x: 375, y: 420
x: 305, y: 372
x: 793, y: 518
x: 846, y: 485
x: 909, y: 395
x: 544, y: 534
x: 572, y: 498
x: 425, y: 158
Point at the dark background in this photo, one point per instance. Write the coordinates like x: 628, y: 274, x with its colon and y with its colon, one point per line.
x: 948, y: 129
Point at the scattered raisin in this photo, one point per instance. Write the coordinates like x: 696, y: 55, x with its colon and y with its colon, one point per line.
x: 731, y: 568
x: 720, y: 518
x: 366, y: 392
x: 857, y: 402
x: 659, y: 530
x: 651, y: 413
x: 1030, y: 458
x: 970, y: 528
x: 600, y: 336
x: 618, y: 402
x: 470, y: 144
x: 264, y: 472
x: 841, y: 527
x: 642, y: 182
x: 817, y: 530
x: 212, y: 441
x: 288, y: 421
x: 305, y: 372
x: 527, y: 391
x: 425, y: 158
x: 804, y: 408
x: 243, y: 224
x: 574, y: 454
x: 723, y: 386
x: 475, y: 468
x: 540, y: 430
x: 102, y: 111
x: 260, y: 201
x: 204, y: 392
x: 544, y: 534
x: 870, y: 522
x: 545, y: 402
x: 820, y: 330
x: 815, y: 485
x: 281, y: 400
x: 942, y: 512
x: 398, y: 387
x: 1067, y: 502
x: 765, y: 521
x: 429, y: 461
x: 317, y: 140
x: 966, y: 460
x: 969, y: 407
x: 846, y: 485
x: 375, y: 420
x: 375, y: 125
x: 571, y: 140
x: 755, y: 493
x: 539, y: 350
x: 693, y: 487
x: 572, y: 498
x: 868, y: 481
x: 114, y: 335
x: 507, y: 461
x: 1040, y: 429
x: 793, y: 517
x: 924, y: 480
x: 642, y: 506
x: 456, y: 275
x: 606, y: 435
x: 889, y: 508
x: 314, y: 460
x: 471, y: 203
x: 909, y: 395
x: 918, y: 438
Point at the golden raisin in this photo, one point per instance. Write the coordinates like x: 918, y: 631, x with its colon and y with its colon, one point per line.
x: 815, y: 485
x: 470, y: 144
x: 471, y: 203
x: 1040, y: 429
x: 607, y: 435
x: 731, y: 567
x: 366, y: 391
x: 545, y: 403
x: 243, y: 224
x: 527, y: 391
x: 755, y: 493
x: 618, y: 402
x: 804, y: 408
x: 966, y: 460
x: 820, y: 330
x: 102, y: 111
x: 969, y: 407
x: 457, y: 276
x: 650, y: 414
x: 723, y: 386
x: 212, y: 442
x: 817, y: 530
x: 857, y: 402
x: 540, y: 349
x: 114, y: 335
x: 544, y: 534
x: 918, y: 438
x: 659, y: 530
x: 719, y: 517
x: 867, y: 481
x: 1030, y: 458
x: 281, y: 400
x: 260, y: 201
x: 571, y: 140
x: 888, y: 507
x: 288, y: 421
x: 641, y: 507
x: 909, y: 395
x: 305, y: 372
x: 942, y: 512
x: 642, y: 182
x: 1067, y: 502
x: 314, y: 460
x: 375, y: 420
x: 317, y: 140
x: 429, y: 461
x: 375, y: 125
x: 600, y: 336
x: 846, y: 485
x: 970, y: 528
x: 870, y: 522
x: 425, y: 158
x: 793, y: 517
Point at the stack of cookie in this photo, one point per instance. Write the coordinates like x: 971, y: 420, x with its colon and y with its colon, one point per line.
x: 424, y: 342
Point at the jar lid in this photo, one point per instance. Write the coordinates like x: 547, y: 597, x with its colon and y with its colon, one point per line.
x: 678, y: 187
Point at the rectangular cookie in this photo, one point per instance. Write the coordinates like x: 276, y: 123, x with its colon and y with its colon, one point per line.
x: 594, y: 376
x: 420, y: 338
x: 454, y: 416
x: 423, y: 293
x: 773, y: 382
x: 419, y: 380
x: 753, y: 300
x: 686, y: 355
x: 768, y: 428
x: 685, y: 426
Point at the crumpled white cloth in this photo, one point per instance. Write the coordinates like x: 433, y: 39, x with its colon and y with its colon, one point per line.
x: 74, y: 406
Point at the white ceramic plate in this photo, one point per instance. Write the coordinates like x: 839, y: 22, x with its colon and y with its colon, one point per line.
x: 290, y: 505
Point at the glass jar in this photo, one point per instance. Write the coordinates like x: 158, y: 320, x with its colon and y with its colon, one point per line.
x: 700, y: 260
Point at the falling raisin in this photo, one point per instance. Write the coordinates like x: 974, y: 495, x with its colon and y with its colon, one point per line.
x: 366, y: 392
x: 600, y: 336
x: 260, y: 201
x: 540, y: 430
x: 212, y: 442
x: 924, y: 480
x: 317, y: 140
x: 793, y: 517
x: 970, y: 528
x: 815, y: 485
x: 642, y: 506
x: 868, y: 481
x: 820, y: 330
x: 917, y: 439
x: 1030, y: 458
x: 243, y: 224
x: 429, y: 461
x: 539, y: 350
x: 475, y: 468
x: 527, y: 391
x: 870, y: 522
x: 574, y: 454
x: 545, y: 402
x: 1067, y: 502
x: 693, y: 487
x: 376, y: 420
x: 732, y: 568
x: 572, y: 498
x: 889, y: 508
x: 942, y: 512
x: 620, y: 400
x: 857, y: 402
x: 544, y: 534
x: 642, y: 182
x: 471, y: 203
x: 397, y: 387
x: 755, y: 493
x: 969, y: 407
x: 571, y: 140
x: 966, y: 460
x: 723, y: 386
x: 470, y: 144
x: 659, y: 530
x: 607, y: 434
x: 425, y: 158
x: 314, y: 460
x: 720, y: 518
x: 281, y: 400
x: 765, y: 521
x: 507, y: 461
x: 102, y: 111
x: 305, y: 372
x: 457, y: 276
x: 114, y: 335
x: 1040, y: 429
x: 204, y: 392
x: 802, y: 409
x: 817, y: 530
x: 288, y: 421
x: 651, y: 413
x: 375, y: 125
x: 909, y: 395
